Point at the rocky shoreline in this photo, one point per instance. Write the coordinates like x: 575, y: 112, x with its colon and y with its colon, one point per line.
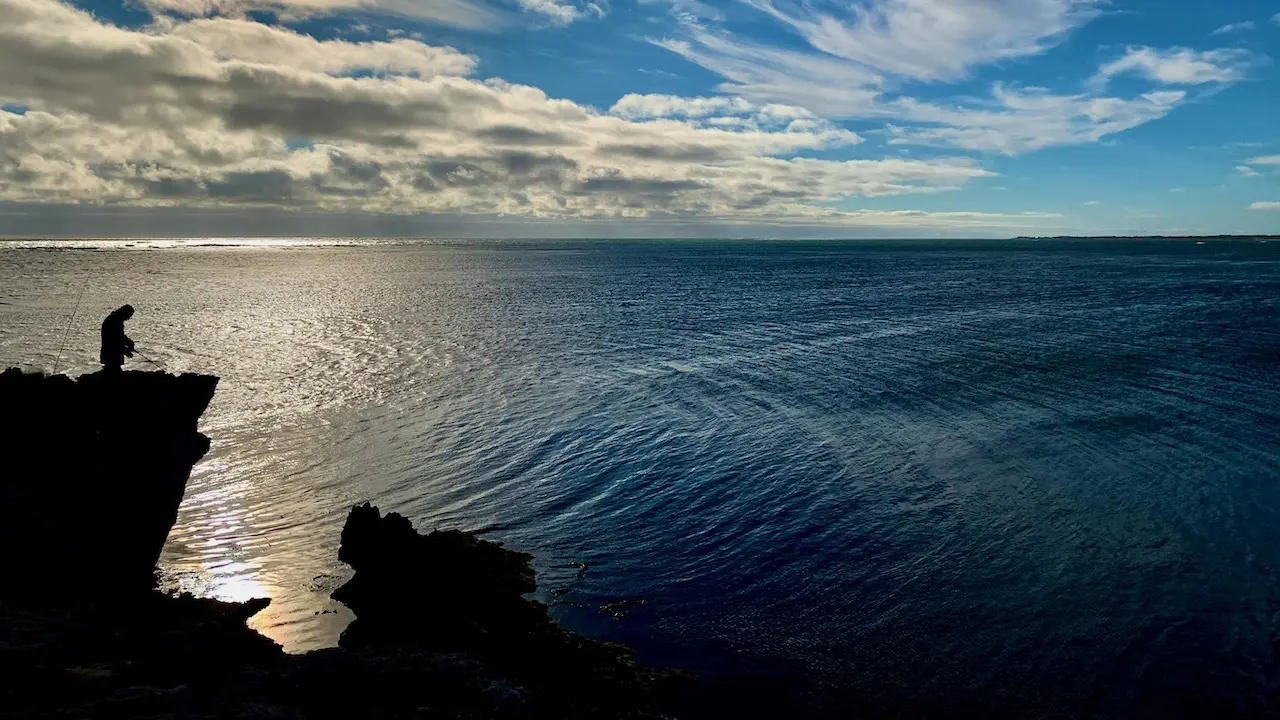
x: 443, y: 626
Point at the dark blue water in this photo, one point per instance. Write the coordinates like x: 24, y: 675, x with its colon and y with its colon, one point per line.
x: 1006, y: 479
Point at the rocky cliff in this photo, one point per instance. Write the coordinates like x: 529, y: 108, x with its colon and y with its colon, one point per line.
x: 93, y: 472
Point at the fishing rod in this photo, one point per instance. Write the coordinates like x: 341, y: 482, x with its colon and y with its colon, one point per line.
x: 58, y: 361
x: 144, y: 357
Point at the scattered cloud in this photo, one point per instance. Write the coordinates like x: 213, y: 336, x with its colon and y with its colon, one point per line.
x: 689, y: 9
x: 559, y: 12
x: 828, y: 86
x: 468, y: 14
x: 930, y: 39
x: 225, y: 112
x: 1235, y: 28
x: 729, y: 113
x: 1276, y: 18
x: 861, y: 59
x: 1177, y: 190
x: 1274, y: 206
x: 1247, y: 171
x: 1021, y: 120
x: 1092, y: 203
x: 252, y: 42
x: 1264, y: 160
x: 1179, y: 66
x: 649, y: 107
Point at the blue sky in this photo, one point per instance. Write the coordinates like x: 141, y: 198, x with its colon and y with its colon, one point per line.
x: 639, y: 117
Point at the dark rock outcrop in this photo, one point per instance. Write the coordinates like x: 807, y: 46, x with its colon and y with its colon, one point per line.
x: 451, y: 592
x: 443, y: 630
x: 406, y: 583
x: 94, y: 471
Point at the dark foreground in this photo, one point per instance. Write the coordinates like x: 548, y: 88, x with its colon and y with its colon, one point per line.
x: 474, y: 649
x: 442, y: 626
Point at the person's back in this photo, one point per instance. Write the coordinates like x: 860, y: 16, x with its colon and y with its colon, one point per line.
x: 115, y: 344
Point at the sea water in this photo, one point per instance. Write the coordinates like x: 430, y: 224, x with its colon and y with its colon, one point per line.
x: 1019, y: 477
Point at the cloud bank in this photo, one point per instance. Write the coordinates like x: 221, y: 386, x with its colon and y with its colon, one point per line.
x: 225, y: 111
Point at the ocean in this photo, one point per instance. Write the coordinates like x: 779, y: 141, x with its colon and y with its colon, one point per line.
x: 1016, y: 478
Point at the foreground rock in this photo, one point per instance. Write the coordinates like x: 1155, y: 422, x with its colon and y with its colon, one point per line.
x: 442, y: 631
x: 451, y: 592
x: 93, y: 472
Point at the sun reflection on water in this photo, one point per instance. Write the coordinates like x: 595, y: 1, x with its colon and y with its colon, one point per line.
x: 238, y: 582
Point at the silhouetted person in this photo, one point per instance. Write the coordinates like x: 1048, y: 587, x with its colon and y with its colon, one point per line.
x: 116, y: 346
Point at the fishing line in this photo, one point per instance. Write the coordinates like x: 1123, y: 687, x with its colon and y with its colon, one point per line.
x: 58, y: 361
x: 144, y: 357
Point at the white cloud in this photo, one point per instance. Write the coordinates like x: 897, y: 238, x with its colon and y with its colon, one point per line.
x: 1247, y: 171
x: 930, y: 39
x: 825, y: 85
x: 1276, y: 18
x: 1235, y: 28
x: 1275, y: 206
x: 559, y: 12
x: 1017, y: 121
x: 1092, y: 203
x: 257, y: 43
x: 730, y: 113
x: 1264, y: 160
x: 1179, y: 66
x: 469, y: 14
x: 648, y: 107
x: 862, y: 56
x: 688, y: 9
x: 221, y: 112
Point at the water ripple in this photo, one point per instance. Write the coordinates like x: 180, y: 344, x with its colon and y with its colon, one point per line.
x: 989, y: 476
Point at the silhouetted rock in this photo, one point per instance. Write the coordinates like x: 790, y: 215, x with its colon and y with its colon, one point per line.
x: 448, y: 589
x: 452, y: 592
x: 94, y: 471
x: 443, y: 631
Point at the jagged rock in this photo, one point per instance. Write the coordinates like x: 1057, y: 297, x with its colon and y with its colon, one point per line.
x: 94, y: 471
x: 151, y: 655
x: 450, y: 591
x: 447, y: 589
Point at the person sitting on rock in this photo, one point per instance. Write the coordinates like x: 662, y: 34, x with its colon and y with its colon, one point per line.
x: 116, y: 346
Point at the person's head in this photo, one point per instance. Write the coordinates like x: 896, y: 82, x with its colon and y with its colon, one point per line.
x: 126, y: 312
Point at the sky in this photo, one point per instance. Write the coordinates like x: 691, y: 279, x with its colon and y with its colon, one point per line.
x: 631, y: 118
